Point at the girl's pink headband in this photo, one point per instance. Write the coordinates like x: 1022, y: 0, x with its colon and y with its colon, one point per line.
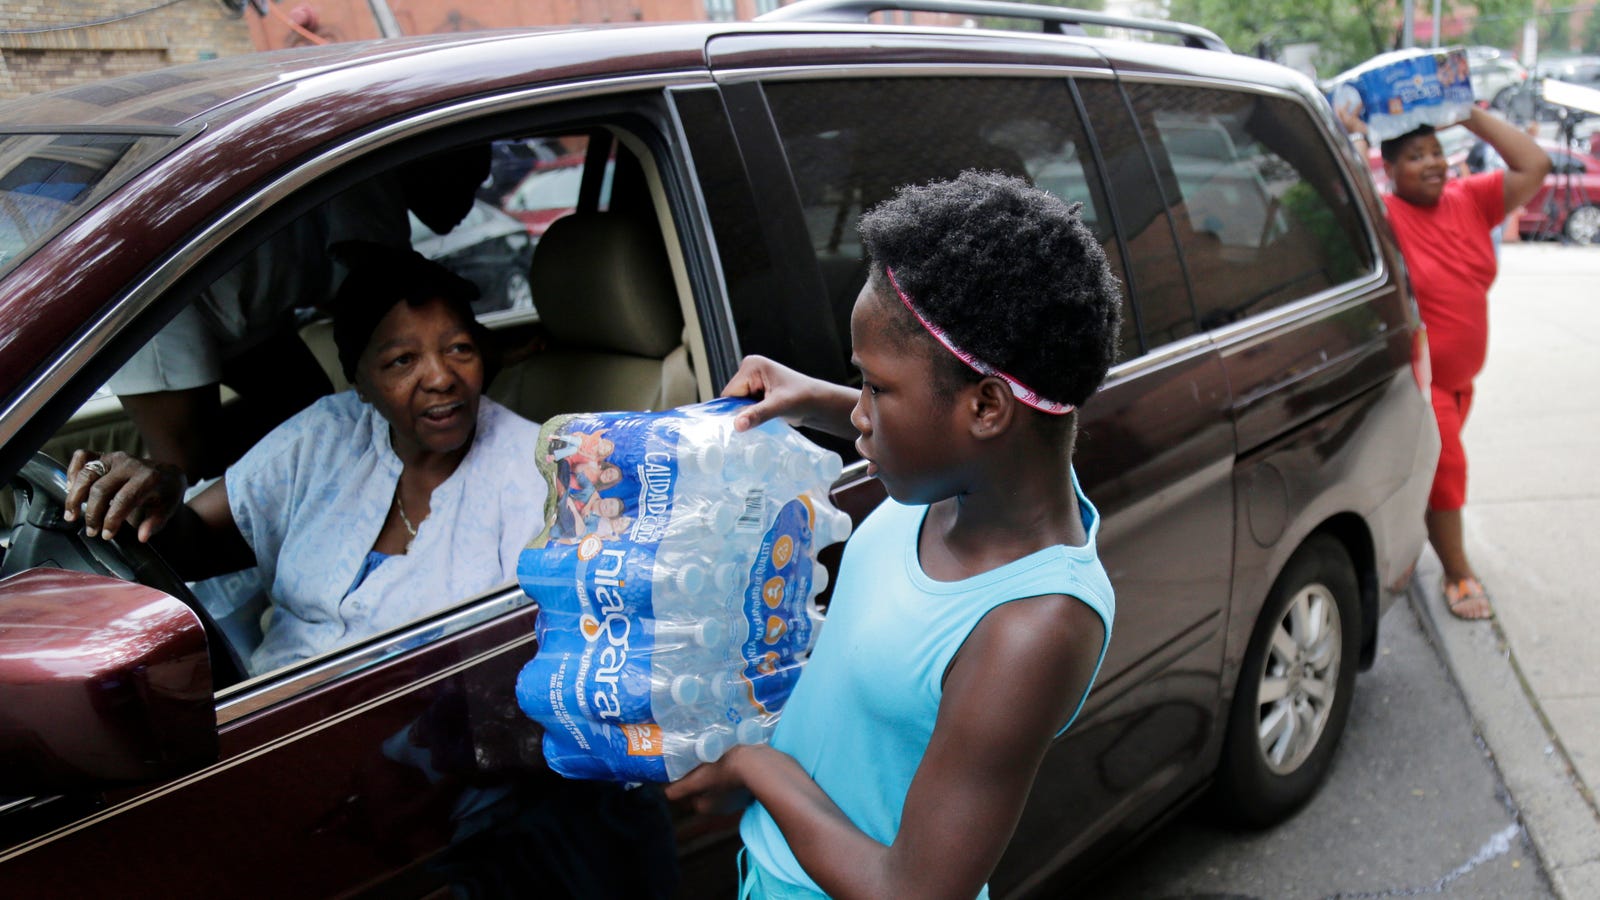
x: 1022, y: 392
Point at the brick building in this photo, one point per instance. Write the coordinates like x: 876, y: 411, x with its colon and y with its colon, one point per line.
x: 289, y: 23
x: 47, y: 44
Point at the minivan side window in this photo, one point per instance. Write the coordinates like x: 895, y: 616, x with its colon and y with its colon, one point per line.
x: 1260, y: 209
x: 1159, y: 311
x: 851, y: 143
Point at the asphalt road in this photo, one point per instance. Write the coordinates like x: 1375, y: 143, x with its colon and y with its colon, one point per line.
x: 1413, y: 807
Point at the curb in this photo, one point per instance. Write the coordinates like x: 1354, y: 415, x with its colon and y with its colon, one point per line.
x: 1555, y: 808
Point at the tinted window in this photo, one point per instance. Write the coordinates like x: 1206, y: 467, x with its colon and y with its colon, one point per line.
x: 851, y: 143
x: 1256, y: 198
x: 1160, y: 311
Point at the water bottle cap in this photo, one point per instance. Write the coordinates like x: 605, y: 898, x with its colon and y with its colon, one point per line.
x: 711, y: 633
x: 725, y: 578
x: 711, y: 746
x: 722, y: 517
x: 759, y: 456
x: 719, y: 684
x: 691, y: 579
x: 685, y: 690
x: 796, y: 467
x: 705, y: 457
x: 830, y: 467
x: 751, y: 731
x: 838, y: 527
x: 819, y: 578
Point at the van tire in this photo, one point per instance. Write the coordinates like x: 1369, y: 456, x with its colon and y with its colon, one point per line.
x: 1306, y: 645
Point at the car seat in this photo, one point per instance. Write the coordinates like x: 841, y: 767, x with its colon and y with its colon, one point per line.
x: 608, y: 301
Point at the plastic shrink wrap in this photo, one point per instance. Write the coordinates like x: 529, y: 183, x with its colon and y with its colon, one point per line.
x: 676, y: 583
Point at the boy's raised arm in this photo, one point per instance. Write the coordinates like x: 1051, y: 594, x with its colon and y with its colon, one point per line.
x: 1526, y: 162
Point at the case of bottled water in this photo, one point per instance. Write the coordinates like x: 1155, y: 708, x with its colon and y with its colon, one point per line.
x: 677, y: 582
x: 1397, y: 92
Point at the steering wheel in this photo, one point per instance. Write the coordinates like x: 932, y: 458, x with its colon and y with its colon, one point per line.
x: 41, y: 536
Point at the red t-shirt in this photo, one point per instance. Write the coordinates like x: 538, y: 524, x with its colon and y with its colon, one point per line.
x: 1451, y: 259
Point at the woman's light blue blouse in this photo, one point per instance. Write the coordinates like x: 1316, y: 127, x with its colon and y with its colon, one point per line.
x: 312, y: 496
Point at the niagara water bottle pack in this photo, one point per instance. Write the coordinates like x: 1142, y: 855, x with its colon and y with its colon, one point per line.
x: 676, y: 582
x: 1398, y: 92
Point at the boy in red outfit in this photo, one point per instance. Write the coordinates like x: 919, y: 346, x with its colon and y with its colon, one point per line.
x: 1443, y: 225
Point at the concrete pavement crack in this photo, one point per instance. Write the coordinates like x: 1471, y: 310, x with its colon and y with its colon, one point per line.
x: 1498, y: 844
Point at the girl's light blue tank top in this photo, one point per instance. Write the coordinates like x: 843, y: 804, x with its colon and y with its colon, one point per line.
x: 861, y: 716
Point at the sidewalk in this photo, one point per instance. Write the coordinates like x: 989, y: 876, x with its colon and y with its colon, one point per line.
x: 1532, y: 676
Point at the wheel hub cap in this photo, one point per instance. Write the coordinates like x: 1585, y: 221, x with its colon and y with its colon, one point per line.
x: 1299, y: 679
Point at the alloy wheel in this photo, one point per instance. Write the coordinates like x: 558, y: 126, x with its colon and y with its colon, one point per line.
x: 1583, y: 224
x: 1299, y: 679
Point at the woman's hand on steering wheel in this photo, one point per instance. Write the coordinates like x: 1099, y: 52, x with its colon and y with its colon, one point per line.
x: 114, y: 488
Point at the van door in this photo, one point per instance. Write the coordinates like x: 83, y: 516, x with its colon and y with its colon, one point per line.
x: 398, y: 764
x: 1283, y: 267
x: 1155, y: 453
x: 1156, y: 448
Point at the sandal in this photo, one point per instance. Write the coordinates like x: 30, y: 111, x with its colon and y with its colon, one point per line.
x: 1467, y: 593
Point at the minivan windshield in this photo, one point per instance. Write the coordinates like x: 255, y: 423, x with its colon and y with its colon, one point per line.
x: 48, y: 179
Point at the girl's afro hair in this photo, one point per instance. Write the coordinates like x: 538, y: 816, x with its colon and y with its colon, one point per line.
x: 1009, y: 272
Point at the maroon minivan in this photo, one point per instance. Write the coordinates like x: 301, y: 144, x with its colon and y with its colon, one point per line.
x: 1261, y: 453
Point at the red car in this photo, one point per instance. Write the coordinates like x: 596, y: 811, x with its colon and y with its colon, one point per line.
x: 550, y: 191
x: 1261, y: 454
x: 1567, y: 206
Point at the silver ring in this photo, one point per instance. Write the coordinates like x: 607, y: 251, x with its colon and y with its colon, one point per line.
x: 95, y: 466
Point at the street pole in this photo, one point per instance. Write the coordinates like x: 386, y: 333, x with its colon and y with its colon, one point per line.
x: 387, y: 26
x: 1408, y: 31
x: 1438, y: 25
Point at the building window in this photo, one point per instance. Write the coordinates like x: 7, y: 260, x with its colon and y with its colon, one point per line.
x: 720, y: 10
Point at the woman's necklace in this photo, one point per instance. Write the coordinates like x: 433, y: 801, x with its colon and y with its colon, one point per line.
x: 411, y: 529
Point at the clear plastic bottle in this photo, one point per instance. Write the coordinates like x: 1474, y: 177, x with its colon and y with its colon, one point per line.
x: 812, y: 467
x: 832, y: 526
x: 756, y: 729
x: 699, y: 458
x: 819, y: 579
x: 710, y: 633
x: 695, y: 516
x: 677, y: 690
x: 751, y: 458
x: 683, y: 752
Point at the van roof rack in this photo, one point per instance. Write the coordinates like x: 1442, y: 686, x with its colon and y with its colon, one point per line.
x: 1051, y: 19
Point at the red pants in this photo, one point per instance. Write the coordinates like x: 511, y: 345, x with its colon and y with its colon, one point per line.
x: 1450, y: 478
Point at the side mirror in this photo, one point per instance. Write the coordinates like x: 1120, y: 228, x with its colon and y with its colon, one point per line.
x: 102, y: 683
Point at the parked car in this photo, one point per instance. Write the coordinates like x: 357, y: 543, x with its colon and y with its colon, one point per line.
x: 488, y: 248
x: 1496, y: 76
x: 1580, y: 70
x: 1261, y: 454
x: 1567, y: 205
x: 550, y: 191
x: 511, y: 160
x: 1527, y: 102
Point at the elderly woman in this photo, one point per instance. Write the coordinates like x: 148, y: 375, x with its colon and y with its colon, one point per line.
x: 371, y: 507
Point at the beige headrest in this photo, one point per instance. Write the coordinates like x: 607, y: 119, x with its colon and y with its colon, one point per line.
x: 602, y: 281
